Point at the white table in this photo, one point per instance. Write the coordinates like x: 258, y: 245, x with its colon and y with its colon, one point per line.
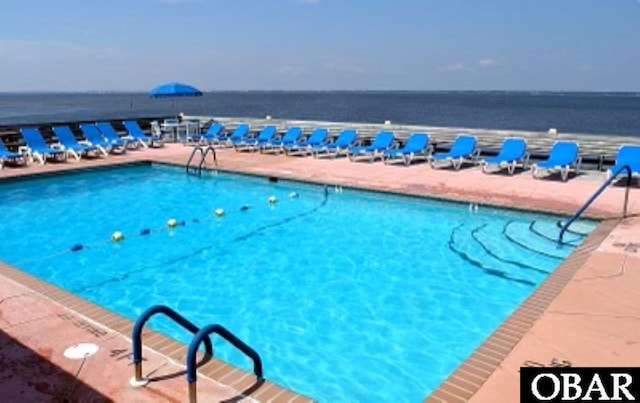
x: 176, y: 130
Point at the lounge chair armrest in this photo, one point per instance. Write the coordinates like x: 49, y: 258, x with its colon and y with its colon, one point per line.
x: 57, y: 146
x: 24, y: 150
x: 429, y: 150
x: 475, y: 156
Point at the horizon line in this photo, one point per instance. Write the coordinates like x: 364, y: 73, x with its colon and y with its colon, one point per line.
x: 328, y: 91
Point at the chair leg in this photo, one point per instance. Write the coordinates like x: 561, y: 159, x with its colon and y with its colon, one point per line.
x: 41, y: 158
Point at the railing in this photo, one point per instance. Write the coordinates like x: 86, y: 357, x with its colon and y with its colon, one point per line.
x: 136, y: 337
x: 595, y: 195
x: 203, y: 157
x: 203, y: 334
x: 200, y: 335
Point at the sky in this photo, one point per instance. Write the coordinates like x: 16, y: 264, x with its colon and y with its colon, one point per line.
x: 134, y: 45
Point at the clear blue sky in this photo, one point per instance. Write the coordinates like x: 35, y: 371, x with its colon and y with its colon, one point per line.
x: 133, y: 45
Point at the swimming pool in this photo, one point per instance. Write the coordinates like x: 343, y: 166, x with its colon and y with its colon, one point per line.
x: 347, y: 296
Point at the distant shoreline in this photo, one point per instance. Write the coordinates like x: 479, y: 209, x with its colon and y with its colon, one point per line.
x: 479, y: 92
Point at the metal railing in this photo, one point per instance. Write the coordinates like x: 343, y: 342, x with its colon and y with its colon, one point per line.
x: 136, y: 338
x: 595, y: 195
x: 197, y: 169
x: 200, y: 335
x: 203, y: 334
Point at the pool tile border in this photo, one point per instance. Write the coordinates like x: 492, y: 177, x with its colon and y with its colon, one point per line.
x: 469, y: 377
x: 243, y: 382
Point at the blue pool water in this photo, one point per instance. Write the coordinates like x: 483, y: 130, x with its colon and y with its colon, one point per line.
x: 347, y: 296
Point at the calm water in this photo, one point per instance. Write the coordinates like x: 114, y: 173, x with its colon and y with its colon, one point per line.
x: 351, y: 296
x: 595, y: 113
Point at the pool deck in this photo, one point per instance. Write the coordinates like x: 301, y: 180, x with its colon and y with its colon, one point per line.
x: 585, y: 314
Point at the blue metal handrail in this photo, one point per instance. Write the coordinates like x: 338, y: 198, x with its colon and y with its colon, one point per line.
x: 595, y: 195
x: 231, y: 338
x: 136, y: 336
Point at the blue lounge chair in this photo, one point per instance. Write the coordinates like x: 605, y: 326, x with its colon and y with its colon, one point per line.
x: 38, y: 148
x: 255, y: 142
x: 5, y: 155
x: 463, y: 149
x: 345, y: 139
x: 628, y: 154
x: 291, y: 136
x: 113, y: 137
x: 69, y: 143
x: 512, y: 153
x: 241, y: 131
x: 417, y: 144
x: 317, y: 137
x: 137, y: 134
x: 381, y: 143
x: 563, y: 156
x: 213, y: 135
x: 95, y: 137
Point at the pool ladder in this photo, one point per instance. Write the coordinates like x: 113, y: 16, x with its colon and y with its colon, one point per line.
x: 204, y: 151
x: 200, y: 335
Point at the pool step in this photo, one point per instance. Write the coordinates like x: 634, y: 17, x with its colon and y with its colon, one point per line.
x: 494, y: 243
x: 581, y: 227
x: 550, y: 231
x: 520, y: 236
x: 463, y: 244
x: 517, y: 250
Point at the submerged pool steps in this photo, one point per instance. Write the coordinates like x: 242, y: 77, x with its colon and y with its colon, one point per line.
x: 464, y: 245
x: 485, y: 236
x: 550, y: 232
x: 505, y: 251
x: 520, y: 234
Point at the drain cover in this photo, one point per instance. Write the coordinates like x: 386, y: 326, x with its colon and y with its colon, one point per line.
x: 80, y: 351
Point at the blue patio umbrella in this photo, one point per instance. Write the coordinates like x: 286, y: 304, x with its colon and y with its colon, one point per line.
x: 174, y: 90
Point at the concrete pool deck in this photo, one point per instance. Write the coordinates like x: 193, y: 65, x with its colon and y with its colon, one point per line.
x: 586, y: 315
